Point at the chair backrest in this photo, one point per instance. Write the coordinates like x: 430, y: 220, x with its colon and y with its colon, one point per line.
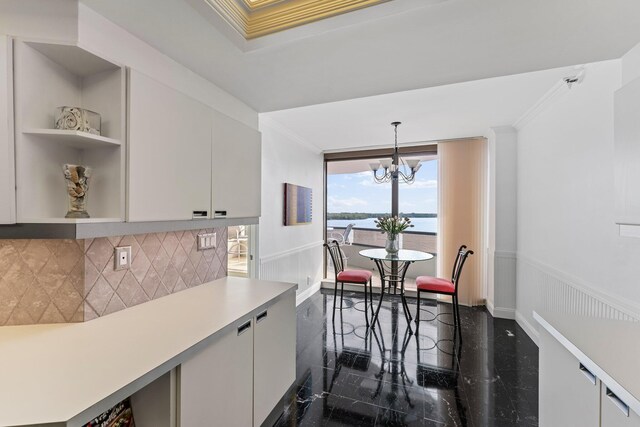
x: 333, y: 247
x: 461, y: 257
x: 347, y: 231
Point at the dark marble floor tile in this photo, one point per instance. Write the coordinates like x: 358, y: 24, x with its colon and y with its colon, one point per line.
x: 348, y: 374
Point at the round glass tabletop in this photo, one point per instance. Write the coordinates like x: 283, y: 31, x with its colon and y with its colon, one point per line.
x: 403, y: 255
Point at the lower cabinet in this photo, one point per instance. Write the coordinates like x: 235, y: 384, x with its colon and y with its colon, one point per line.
x: 569, y: 395
x: 572, y: 396
x: 239, y: 378
x: 214, y: 386
x: 614, y: 412
x: 274, y: 363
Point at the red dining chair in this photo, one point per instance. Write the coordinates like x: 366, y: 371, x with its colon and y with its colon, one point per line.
x: 342, y: 276
x: 436, y: 285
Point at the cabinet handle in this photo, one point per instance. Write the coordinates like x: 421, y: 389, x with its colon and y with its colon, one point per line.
x: 200, y: 214
x: 587, y: 373
x: 619, y: 403
x: 219, y: 214
x: 260, y: 317
x: 244, y: 327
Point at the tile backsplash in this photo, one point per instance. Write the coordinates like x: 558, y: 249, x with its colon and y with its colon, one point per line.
x: 57, y: 281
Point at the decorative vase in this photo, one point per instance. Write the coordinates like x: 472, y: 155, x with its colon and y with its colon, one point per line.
x: 392, y: 245
x: 77, y: 178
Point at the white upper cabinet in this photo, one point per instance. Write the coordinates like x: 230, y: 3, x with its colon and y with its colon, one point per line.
x: 627, y: 153
x: 7, y: 177
x: 169, y: 152
x: 236, y: 169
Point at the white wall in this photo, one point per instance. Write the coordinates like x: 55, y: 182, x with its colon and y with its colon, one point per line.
x: 570, y: 253
x: 501, y: 256
x: 291, y: 253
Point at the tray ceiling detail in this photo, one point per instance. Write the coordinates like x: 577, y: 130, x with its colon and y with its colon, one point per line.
x: 256, y: 18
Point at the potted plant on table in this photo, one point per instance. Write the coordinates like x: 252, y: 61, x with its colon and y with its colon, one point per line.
x: 393, y: 226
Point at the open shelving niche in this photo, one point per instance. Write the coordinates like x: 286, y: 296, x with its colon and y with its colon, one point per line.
x: 48, y: 75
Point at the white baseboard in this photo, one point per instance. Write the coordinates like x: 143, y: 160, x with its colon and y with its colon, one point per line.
x: 504, y: 313
x: 528, y: 327
x: 490, y: 308
x: 307, y: 293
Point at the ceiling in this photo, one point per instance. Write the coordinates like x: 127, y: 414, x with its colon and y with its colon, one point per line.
x: 444, y: 112
x: 258, y: 18
x: 432, y: 44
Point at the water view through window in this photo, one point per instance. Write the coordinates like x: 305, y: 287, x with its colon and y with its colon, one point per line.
x: 354, y: 198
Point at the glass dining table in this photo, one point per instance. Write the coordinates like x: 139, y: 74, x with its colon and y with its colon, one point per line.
x: 393, y: 269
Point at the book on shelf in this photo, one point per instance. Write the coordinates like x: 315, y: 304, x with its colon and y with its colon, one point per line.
x: 120, y: 415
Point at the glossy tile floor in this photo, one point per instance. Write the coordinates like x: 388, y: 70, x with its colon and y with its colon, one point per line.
x: 390, y: 377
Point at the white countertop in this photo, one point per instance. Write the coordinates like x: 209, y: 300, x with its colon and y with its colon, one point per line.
x: 52, y: 373
x: 608, y: 348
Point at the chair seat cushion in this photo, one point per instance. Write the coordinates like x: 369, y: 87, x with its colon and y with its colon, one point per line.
x: 354, y: 276
x: 434, y: 284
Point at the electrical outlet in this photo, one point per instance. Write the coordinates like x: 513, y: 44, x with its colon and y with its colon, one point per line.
x: 206, y: 241
x: 122, y: 258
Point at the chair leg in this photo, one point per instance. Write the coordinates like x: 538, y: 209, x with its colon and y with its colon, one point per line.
x: 366, y: 309
x: 341, y: 292
x: 454, y: 312
x: 335, y: 295
x: 458, y: 314
x: 418, y: 314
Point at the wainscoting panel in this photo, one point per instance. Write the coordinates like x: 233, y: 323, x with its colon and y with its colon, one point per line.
x: 541, y: 287
x: 302, y: 265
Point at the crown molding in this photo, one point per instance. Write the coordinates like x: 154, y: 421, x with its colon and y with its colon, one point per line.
x: 268, y: 122
x: 257, y: 18
x: 549, y: 98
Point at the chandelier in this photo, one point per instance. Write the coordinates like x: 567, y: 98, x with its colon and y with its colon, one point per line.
x: 395, y: 167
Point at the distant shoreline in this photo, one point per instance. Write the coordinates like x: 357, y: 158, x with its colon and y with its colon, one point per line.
x: 366, y: 215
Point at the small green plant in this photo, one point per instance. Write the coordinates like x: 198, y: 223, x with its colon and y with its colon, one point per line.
x: 392, y: 224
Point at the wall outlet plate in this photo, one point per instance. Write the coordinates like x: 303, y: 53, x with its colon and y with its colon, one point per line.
x: 122, y: 258
x: 207, y: 241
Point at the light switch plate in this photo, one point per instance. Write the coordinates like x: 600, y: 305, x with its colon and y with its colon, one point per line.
x: 206, y: 241
x: 122, y: 258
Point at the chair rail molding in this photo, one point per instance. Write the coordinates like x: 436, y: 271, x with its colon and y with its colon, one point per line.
x: 542, y: 287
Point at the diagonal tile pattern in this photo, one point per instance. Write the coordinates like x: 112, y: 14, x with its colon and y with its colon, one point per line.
x: 39, y: 279
x: 58, y: 281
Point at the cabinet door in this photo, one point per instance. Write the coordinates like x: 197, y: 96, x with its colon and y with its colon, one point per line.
x: 169, y: 152
x: 215, y: 384
x: 568, y: 396
x: 236, y: 174
x: 274, y: 361
x: 615, y: 412
x: 627, y: 153
x: 7, y: 176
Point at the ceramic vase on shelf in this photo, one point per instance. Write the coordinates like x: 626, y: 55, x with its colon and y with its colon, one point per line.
x: 77, y: 178
x: 392, y: 246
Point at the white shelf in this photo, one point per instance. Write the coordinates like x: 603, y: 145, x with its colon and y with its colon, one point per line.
x: 74, y: 138
x: 70, y: 220
x: 75, y: 59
